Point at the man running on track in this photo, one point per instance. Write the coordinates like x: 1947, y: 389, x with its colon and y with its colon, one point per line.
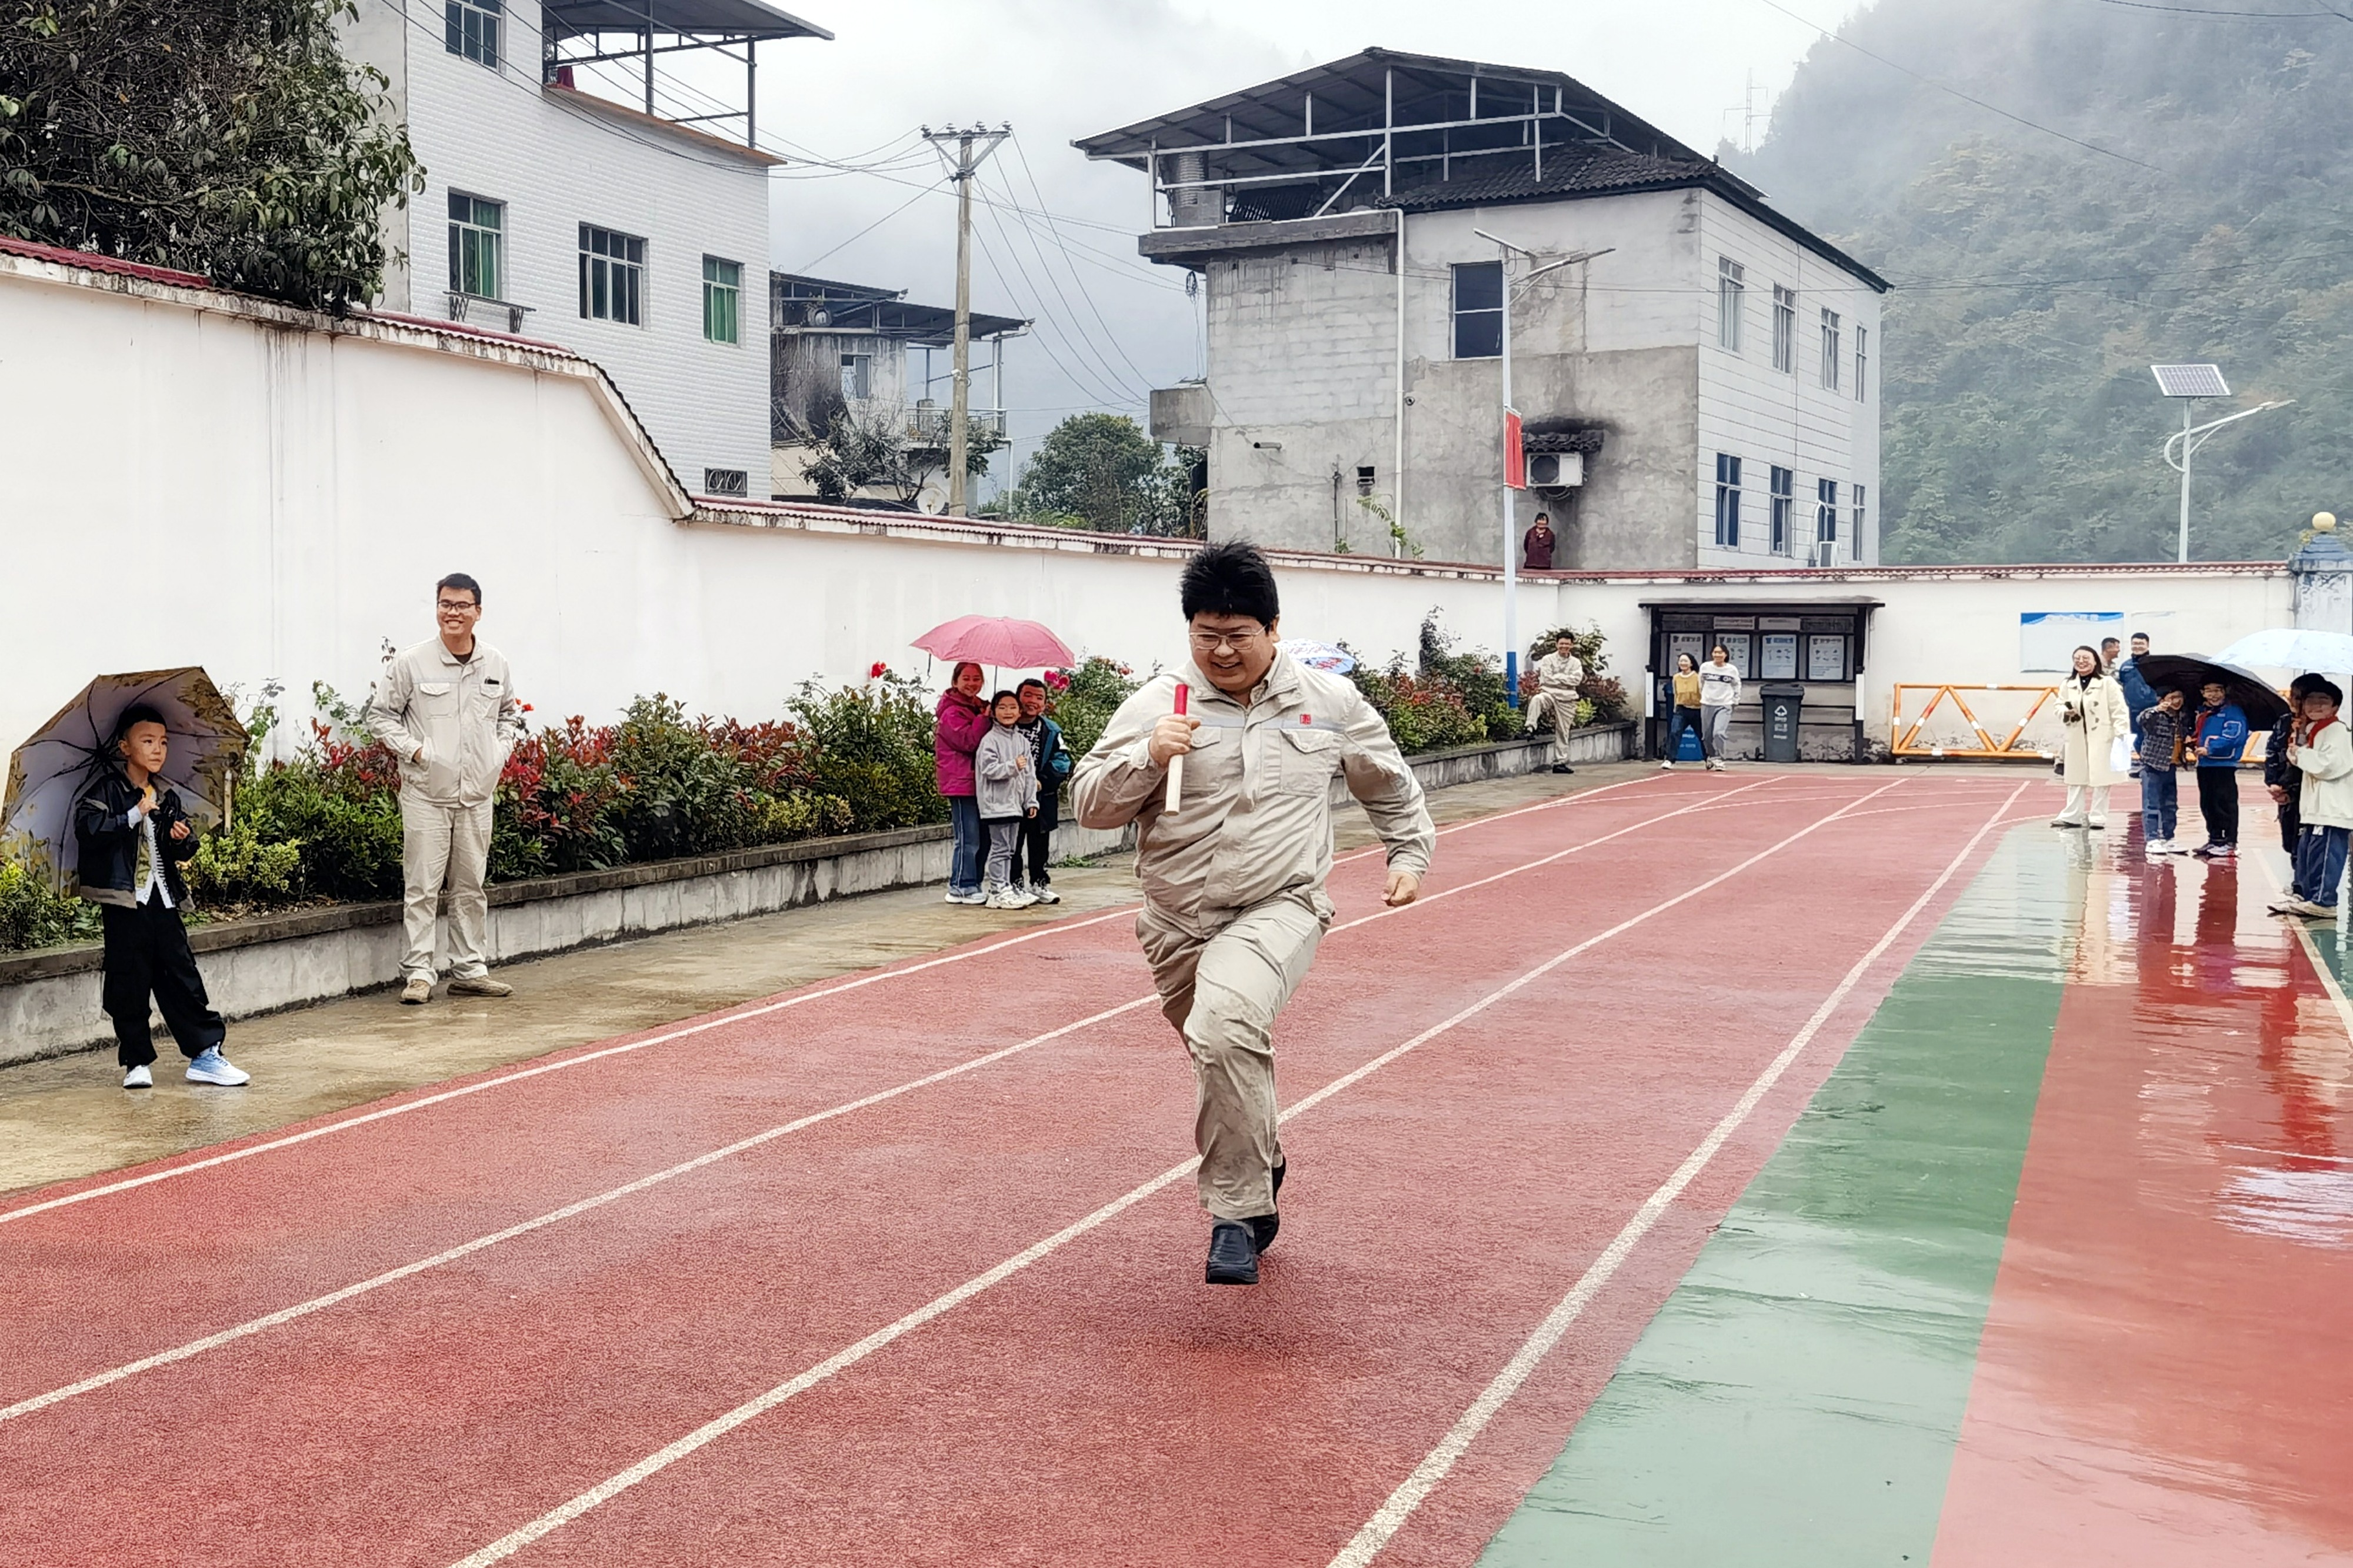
x: 1233, y: 878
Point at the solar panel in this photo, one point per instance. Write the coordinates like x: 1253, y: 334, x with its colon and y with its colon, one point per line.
x: 2190, y: 380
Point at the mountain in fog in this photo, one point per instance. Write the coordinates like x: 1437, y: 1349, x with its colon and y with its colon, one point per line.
x: 2184, y: 192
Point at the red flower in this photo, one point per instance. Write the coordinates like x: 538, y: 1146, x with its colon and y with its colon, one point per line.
x: 879, y: 672
x: 1056, y: 681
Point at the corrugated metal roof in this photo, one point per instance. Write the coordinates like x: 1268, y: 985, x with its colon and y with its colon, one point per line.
x: 737, y: 18
x: 91, y: 261
x: 1570, y: 171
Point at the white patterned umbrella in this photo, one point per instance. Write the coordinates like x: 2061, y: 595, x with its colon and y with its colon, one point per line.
x: 1319, y: 655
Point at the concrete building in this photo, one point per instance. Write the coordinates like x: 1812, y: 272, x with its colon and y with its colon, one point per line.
x: 1698, y: 374
x: 841, y: 348
x: 636, y: 236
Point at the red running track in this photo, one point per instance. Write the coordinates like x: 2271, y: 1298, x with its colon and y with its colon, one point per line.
x: 961, y: 1322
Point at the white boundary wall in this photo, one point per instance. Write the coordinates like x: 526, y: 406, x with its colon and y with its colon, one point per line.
x: 189, y: 478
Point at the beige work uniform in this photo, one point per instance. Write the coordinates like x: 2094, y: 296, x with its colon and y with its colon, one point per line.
x: 1233, y: 879
x: 451, y: 722
x: 1558, y: 676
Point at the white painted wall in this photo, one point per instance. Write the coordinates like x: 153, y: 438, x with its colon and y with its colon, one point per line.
x: 557, y: 160
x: 190, y: 479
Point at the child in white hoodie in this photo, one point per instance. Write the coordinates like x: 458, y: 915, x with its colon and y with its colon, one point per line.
x: 2325, y: 755
x: 1006, y: 788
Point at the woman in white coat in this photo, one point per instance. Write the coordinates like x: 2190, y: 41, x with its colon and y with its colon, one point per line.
x: 2091, y: 707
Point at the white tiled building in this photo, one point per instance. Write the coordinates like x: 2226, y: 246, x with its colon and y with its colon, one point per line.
x: 635, y: 240
x: 1354, y: 320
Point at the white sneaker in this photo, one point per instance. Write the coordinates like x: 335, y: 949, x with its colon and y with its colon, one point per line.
x: 1044, y: 896
x: 2159, y: 846
x: 213, y: 1068
x: 975, y: 896
x: 138, y: 1078
x: 1005, y: 899
x: 1668, y: 766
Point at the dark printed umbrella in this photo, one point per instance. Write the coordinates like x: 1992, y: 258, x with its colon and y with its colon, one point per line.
x: 48, y: 772
x: 2186, y: 672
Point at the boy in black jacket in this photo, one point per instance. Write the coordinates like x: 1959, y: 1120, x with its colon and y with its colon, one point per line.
x: 132, y: 841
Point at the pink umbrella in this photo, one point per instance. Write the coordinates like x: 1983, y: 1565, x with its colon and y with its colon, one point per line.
x: 996, y: 640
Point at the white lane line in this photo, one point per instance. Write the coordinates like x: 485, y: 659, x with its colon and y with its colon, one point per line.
x: 734, y: 1015
x: 1553, y: 803
x: 667, y: 1037
x: 466, y: 1249
x: 1379, y: 1530
x: 711, y: 1431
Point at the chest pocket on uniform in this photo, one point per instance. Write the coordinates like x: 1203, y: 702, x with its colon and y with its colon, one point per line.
x: 1310, y: 758
x: 438, y: 696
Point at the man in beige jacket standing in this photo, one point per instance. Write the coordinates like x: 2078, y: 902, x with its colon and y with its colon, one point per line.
x: 1233, y: 877
x: 447, y: 709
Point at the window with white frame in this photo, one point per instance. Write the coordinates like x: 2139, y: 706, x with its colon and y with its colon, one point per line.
x: 1728, y: 500
x: 1731, y: 287
x: 1856, y: 502
x: 1785, y: 330
x: 723, y: 300
x: 1826, y: 505
x: 471, y: 28
x: 1478, y: 310
x: 612, y: 276
x: 1831, y: 351
x: 1784, y: 492
x: 477, y: 245
x: 1862, y: 361
x: 857, y: 376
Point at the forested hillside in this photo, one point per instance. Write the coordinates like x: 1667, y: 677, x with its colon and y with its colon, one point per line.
x: 2037, y: 278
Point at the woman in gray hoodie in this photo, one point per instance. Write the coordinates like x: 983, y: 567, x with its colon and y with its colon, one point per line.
x: 1008, y: 790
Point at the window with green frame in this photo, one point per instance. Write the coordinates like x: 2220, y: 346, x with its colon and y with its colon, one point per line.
x: 723, y: 300
x: 477, y: 245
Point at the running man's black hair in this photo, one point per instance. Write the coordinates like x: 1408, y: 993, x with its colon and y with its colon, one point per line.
x: 1229, y: 579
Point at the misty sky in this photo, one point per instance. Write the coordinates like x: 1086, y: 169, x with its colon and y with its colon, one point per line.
x: 1111, y: 326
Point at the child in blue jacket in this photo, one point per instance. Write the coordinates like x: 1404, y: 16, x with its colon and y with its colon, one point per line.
x: 2221, y: 736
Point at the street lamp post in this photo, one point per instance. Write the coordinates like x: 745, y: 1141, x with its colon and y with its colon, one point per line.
x: 1505, y: 251
x: 2188, y: 383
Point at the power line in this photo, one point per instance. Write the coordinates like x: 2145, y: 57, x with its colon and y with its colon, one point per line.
x: 1082, y: 377
x: 870, y: 228
x: 1111, y: 373
x: 1071, y: 267
x: 1956, y: 92
x: 2202, y: 11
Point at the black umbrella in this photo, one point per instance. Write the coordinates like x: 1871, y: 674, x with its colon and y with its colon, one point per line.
x: 2186, y: 672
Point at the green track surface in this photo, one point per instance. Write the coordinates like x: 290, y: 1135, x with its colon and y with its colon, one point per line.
x: 1798, y: 1398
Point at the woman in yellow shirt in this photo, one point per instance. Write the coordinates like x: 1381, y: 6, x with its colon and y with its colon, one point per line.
x: 1686, y: 709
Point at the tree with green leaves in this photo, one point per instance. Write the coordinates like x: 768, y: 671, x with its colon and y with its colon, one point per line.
x: 229, y: 138
x: 1102, y: 471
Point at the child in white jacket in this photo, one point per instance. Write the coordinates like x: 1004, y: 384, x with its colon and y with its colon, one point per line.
x: 1006, y: 788
x: 2325, y: 754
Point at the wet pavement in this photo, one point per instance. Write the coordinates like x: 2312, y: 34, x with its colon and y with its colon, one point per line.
x: 2057, y: 1267
x: 69, y: 1116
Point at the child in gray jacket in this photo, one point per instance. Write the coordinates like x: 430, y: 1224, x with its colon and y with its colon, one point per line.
x: 1008, y: 790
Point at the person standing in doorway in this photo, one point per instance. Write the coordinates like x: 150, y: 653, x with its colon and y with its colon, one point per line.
x: 958, y: 724
x: 1536, y: 546
x: 1558, y: 675
x: 2092, y: 709
x: 1233, y: 876
x: 133, y: 838
x: 1049, y: 762
x: 1719, y: 693
x: 2323, y: 753
x: 2158, y: 757
x: 2220, y: 736
x: 1686, y: 710
x: 447, y: 709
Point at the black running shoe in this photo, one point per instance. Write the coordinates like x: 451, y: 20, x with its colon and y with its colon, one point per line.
x: 1233, y: 1256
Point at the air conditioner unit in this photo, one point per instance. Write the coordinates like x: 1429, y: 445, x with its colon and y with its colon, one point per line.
x: 1556, y: 470
x: 1825, y: 553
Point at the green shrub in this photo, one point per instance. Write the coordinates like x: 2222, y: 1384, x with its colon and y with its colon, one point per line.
x: 35, y: 914
x: 870, y: 746
x: 239, y: 867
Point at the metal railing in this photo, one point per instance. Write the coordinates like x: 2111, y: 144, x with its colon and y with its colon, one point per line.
x: 1906, y: 738
x: 930, y: 423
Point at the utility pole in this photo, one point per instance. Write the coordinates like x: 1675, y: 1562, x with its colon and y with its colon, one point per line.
x: 973, y: 147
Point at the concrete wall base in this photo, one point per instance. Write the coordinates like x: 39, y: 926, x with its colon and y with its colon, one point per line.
x: 48, y: 1000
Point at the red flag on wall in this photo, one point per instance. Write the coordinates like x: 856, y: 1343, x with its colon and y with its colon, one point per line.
x: 1515, y: 457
